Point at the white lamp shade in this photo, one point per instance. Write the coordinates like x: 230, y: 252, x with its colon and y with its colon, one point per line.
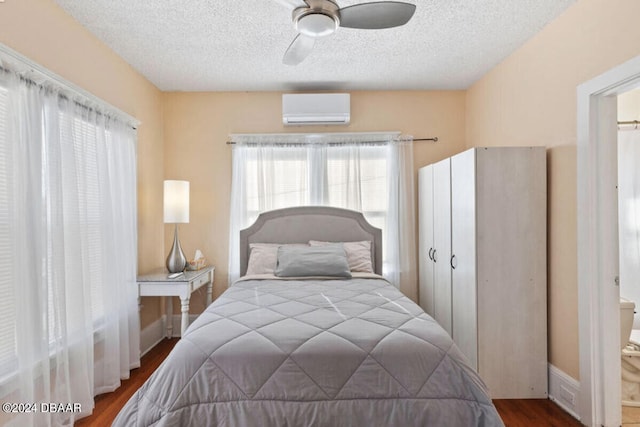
x: 176, y: 201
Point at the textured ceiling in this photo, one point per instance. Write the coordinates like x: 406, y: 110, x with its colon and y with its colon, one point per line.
x: 237, y: 45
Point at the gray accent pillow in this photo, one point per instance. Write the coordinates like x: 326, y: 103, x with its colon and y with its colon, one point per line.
x: 329, y: 260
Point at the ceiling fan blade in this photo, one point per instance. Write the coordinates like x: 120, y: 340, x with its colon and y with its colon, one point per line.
x: 299, y: 49
x: 377, y: 15
x: 292, y: 4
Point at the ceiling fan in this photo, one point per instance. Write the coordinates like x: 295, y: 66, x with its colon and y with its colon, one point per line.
x: 319, y: 18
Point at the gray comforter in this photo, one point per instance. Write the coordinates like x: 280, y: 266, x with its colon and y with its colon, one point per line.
x: 313, y: 353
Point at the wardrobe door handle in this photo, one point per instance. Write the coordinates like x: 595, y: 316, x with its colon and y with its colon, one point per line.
x: 434, y: 256
x: 430, y: 250
x: 452, y: 258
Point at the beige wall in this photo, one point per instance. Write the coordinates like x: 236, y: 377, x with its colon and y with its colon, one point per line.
x: 44, y: 33
x: 629, y: 106
x: 530, y: 99
x: 197, y: 126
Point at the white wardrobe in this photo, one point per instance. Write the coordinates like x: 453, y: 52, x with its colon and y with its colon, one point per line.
x: 482, y: 262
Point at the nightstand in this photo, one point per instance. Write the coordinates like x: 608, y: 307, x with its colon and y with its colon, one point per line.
x: 158, y: 284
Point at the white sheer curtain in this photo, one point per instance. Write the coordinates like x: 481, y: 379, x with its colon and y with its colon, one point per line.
x: 402, y: 266
x: 629, y: 215
x: 341, y: 170
x: 68, y: 250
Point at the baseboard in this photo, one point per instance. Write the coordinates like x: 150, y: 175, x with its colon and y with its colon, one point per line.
x: 156, y: 331
x: 564, y: 391
x: 151, y: 335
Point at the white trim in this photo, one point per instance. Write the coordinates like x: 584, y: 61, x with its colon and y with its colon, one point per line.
x: 39, y: 73
x: 318, y: 137
x: 598, y: 294
x: 152, y: 335
x: 564, y: 391
x: 156, y: 331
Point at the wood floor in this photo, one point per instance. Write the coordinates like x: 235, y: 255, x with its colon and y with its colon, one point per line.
x: 515, y: 413
x: 108, y: 405
x: 533, y: 412
x: 630, y: 416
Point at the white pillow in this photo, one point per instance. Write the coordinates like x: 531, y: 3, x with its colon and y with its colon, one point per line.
x: 263, y: 257
x: 358, y: 254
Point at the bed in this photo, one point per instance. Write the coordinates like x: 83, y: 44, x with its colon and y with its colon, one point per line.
x: 320, y: 349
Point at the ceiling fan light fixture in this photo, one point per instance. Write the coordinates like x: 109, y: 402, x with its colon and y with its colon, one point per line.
x: 320, y: 18
x: 317, y: 24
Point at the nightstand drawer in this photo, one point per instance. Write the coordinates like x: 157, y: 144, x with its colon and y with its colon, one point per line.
x: 199, y: 282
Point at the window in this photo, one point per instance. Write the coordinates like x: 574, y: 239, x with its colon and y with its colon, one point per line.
x: 361, y: 177
x: 287, y: 184
x: 345, y: 177
x: 8, y: 357
x: 85, y: 200
x: 68, y: 302
x: 274, y: 172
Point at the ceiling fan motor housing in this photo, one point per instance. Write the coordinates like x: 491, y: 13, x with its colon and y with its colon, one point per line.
x: 320, y: 19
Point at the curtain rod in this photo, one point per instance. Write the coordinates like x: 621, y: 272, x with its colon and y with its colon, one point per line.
x: 635, y: 123
x: 434, y: 139
x: 42, y: 72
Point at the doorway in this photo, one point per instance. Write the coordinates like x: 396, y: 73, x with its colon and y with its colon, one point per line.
x: 598, y: 259
x: 629, y: 252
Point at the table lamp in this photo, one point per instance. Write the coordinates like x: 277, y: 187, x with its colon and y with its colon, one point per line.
x: 176, y: 211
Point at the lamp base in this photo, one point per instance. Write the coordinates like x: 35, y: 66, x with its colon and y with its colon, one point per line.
x: 176, y: 261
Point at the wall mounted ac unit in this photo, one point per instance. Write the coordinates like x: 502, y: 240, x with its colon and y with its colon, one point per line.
x: 316, y: 109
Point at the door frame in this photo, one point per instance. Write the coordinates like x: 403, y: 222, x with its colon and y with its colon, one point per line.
x: 598, y: 261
